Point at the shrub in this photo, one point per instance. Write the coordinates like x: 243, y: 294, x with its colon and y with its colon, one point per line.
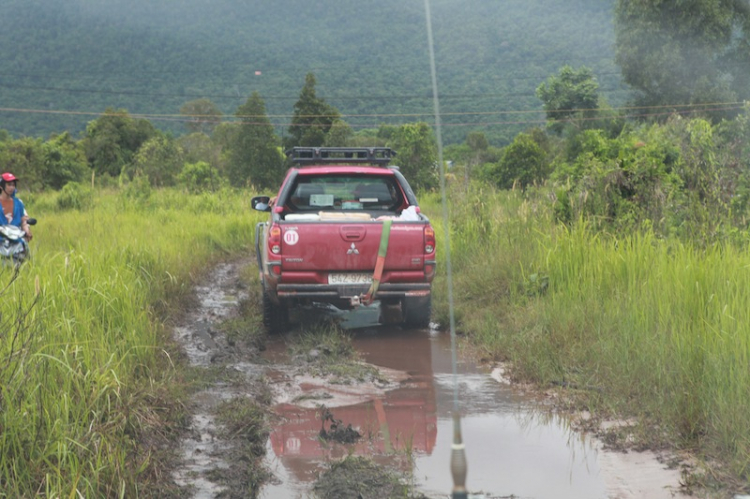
x: 138, y: 189
x: 75, y: 196
x: 199, y: 177
x: 523, y: 162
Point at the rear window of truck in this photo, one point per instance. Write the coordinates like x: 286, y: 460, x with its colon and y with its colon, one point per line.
x: 345, y: 193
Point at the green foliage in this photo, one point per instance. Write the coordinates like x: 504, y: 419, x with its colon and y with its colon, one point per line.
x: 137, y: 190
x: 200, y: 147
x: 570, y: 97
x: 366, y: 137
x: 685, y: 178
x: 652, y: 321
x: 417, y: 154
x: 112, y: 140
x: 522, y: 163
x: 253, y: 156
x: 160, y: 159
x: 684, y: 52
x: 203, y: 116
x: 618, y: 182
x: 79, y: 417
x: 75, y: 196
x: 563, y: 208
x: 477, y: 142
x: 151, y: 57
x: 473, y: 158
x: 313, y: 118
x: 733, y: 151
x: 199, y: 177
x: 339, y: 135
x: 25, y: 158
x: 41, y: 164
x: 64, y: 161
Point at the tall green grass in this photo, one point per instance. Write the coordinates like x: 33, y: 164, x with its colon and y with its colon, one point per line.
x: 92, y: 359
x: 657, y: 329
x: 664, y: 326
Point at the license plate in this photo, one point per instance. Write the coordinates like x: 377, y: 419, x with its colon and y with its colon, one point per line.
x: 349, y: 278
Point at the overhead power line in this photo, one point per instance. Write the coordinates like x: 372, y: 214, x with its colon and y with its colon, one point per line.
x: 647, y: 111
x: 664, y: 107
x: 247, y: 68
x: 425, y: 96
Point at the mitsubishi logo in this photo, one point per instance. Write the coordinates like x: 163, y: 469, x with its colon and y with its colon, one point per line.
x: 353, y: 250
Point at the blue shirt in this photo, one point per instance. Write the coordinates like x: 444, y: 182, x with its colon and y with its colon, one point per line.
x: 18, y: 212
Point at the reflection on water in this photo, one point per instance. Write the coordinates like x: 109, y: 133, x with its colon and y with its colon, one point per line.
x: 510, y: 448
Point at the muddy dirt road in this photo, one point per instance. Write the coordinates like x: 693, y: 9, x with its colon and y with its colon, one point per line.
x: 516, y: 445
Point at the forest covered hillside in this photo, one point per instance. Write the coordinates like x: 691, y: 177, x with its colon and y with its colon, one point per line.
x: 63, y: 63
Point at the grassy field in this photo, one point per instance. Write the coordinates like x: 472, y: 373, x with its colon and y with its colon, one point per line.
x: 84, y: 372
x: 643, y: 327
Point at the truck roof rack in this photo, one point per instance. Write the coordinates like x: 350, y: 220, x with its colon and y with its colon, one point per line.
x: 303, y: 156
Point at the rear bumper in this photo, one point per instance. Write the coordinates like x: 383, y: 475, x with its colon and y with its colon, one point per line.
x: 329, y: 292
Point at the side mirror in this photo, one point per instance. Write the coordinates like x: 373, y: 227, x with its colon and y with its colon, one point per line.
x: 261, y: 203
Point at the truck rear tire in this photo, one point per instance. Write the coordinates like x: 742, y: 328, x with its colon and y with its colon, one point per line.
x: 418, y: 311
x: 275, y: 317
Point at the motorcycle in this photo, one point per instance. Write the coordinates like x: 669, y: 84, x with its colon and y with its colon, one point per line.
x: 13, y: 247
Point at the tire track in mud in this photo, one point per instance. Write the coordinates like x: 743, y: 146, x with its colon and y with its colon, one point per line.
x: 211, y: 464
x: 207, y: 468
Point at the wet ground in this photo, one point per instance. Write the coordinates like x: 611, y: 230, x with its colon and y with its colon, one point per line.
x: 515, y: 444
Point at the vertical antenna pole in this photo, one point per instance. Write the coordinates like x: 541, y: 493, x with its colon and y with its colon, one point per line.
x: 458, y: 453
x: 458, y: 461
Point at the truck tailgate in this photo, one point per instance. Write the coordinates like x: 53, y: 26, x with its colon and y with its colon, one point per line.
x: 350, y: 247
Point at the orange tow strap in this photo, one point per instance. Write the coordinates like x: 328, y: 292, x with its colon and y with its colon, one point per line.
x: 368, y: 297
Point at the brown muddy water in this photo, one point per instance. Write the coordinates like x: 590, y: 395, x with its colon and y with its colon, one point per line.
x: 515, y: 445
x: 513, y: 449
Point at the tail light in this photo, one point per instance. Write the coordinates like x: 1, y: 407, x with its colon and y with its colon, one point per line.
x: 274, y: 239
x: 429, y: 240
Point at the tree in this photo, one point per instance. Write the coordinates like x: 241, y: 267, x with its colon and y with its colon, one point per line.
x: 366, y: 137
x: 160, y: 159
x: 523, y: 163
x: 200, y: 147
x: 112, y: 139
x: 684, y: 52
x: 202, y: 114
x: 25, y: 158
x: 312, y: 120
x: 339, y: 135
x: 199, y: 177
x: 571, y: 96
x: 253, y: 155
x: 417, y: 154
x: 64, y: 161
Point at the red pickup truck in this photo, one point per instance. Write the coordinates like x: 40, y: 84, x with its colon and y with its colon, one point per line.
x: 345, y: 229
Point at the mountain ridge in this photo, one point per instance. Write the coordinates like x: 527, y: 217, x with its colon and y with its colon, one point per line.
x: 83, y: 56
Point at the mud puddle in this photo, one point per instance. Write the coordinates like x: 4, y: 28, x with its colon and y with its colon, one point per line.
x: 515, y: 446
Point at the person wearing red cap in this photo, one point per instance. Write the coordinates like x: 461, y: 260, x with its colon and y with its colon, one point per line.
x: 14, y: 212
